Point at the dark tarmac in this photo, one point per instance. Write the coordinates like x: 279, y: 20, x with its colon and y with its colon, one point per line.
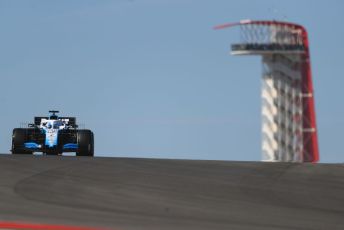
x: 154, y: 194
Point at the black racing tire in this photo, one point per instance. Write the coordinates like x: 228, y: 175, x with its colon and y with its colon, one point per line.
x: 92, y: 141
x: 18, y: 139
x: 85, y: 140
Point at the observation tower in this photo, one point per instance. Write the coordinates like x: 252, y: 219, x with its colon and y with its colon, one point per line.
x: 289, y: 132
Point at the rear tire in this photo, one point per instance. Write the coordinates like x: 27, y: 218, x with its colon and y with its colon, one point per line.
x: 85, y: 140
x: 18, y: 140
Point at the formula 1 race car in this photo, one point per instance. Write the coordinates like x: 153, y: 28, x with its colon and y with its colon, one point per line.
x: 53, y: 135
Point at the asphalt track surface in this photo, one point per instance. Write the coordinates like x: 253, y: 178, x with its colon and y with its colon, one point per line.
x: 133, y: 194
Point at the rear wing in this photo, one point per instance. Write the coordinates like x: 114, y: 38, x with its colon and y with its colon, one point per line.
x: 71, y: 121
x: 39, y: 119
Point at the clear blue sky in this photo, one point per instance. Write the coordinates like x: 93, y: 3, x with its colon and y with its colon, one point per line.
x: 152, y: 79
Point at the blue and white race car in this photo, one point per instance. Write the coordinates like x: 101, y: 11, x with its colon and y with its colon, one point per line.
x: 53, y: 135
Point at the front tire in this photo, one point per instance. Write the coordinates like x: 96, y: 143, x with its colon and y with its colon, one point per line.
x: 18, y: 140
x: 85, y: 140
